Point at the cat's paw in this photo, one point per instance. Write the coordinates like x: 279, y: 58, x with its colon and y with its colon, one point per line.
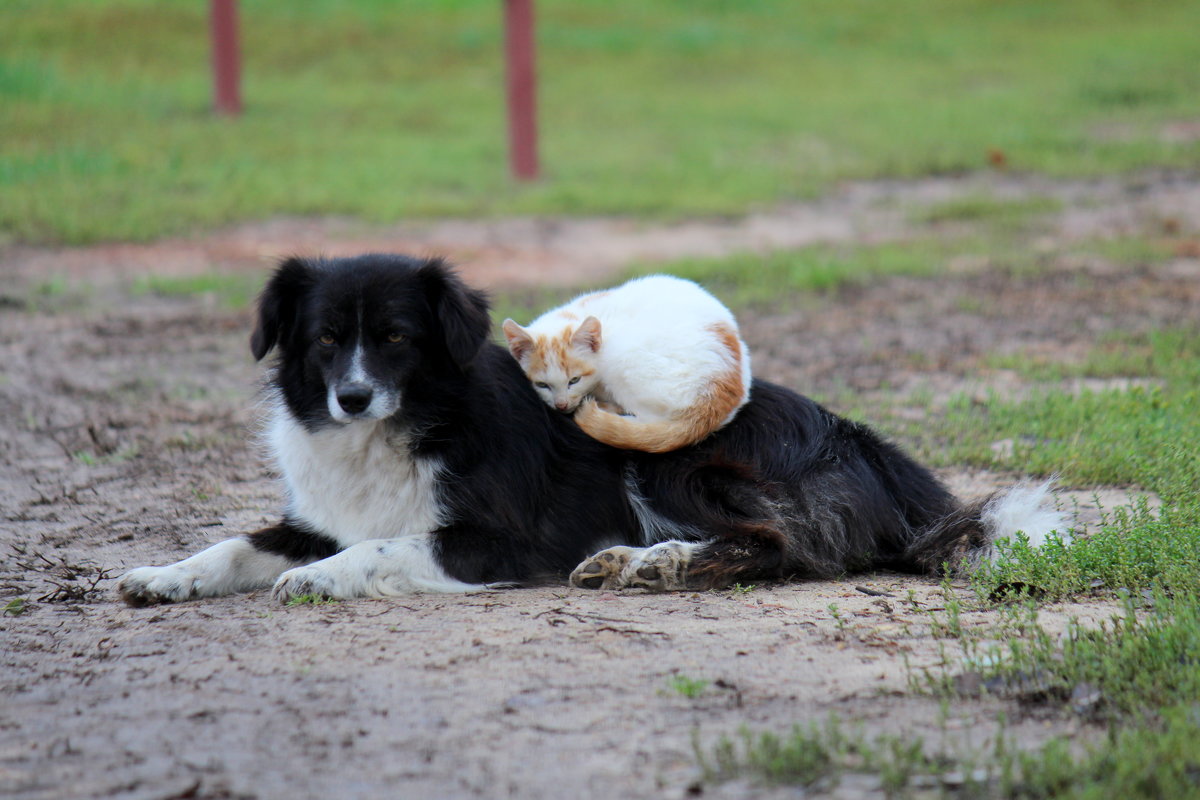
x: 603, y: 570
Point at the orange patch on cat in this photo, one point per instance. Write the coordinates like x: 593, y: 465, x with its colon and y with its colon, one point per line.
x: 583, y: 301
x: 549, y: 350
x: 727, y: 389
x: 710, y: 411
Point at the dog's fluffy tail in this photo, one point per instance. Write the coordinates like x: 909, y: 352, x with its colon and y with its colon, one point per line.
x: 968, y: 537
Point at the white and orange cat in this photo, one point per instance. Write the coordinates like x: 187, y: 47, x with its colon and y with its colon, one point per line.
x: 655, y: 364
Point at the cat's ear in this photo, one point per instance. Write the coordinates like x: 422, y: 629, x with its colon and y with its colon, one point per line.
x: 278, y: 305
x: 520, y: 343
x: 587, y: 335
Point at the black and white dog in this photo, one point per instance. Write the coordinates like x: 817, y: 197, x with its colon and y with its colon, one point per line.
x: 416, y: 457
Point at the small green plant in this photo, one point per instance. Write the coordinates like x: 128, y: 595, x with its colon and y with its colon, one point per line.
x: 738, y: 589
x: 690, y: 688
x: 311, y: 600
x: 841, y: 622
x: 90, y: 459
x: 16, y: 607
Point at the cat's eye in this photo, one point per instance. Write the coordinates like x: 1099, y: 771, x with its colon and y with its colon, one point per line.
x: 326, y: 339
x: 396, y: 337
x: 542, y: 385
x: 573, y: 381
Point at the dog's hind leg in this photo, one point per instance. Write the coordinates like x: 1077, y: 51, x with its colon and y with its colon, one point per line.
x: 662, y: 567
x: 674, y: 566
x: 242, y: 564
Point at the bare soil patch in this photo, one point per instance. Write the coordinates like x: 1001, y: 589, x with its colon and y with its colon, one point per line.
x: 579, y: 251
x: 125, y: 439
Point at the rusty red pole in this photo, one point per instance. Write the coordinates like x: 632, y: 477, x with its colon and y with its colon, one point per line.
x: 226, y: 58
x: 522, y: 89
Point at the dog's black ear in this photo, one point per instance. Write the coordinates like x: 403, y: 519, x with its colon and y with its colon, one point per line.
x: 278, y: 305
x: 461, y: 311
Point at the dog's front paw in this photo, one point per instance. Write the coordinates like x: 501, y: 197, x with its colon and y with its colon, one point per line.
x: 302, y: 582
x: 148, y: 586
x: 603, y: 570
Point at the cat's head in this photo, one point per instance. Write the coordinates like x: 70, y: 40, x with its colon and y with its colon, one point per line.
x: 561, y: 365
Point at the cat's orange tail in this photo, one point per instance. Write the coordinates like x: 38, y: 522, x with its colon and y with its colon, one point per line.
x: 715, y: 406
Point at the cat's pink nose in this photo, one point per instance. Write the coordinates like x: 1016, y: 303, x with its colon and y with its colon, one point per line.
x: 561, y: 405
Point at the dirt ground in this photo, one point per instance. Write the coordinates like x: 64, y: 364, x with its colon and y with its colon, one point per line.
x: 126, y: 439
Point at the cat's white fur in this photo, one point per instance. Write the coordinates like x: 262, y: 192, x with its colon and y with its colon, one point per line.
x: 663, y: 350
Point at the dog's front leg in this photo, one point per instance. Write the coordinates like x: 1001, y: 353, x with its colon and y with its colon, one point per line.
x: 375, y: 568
x: 234, y: 565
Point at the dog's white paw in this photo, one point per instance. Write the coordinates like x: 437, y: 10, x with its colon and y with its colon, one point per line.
x: 311, y: 581
x: 147, y: 586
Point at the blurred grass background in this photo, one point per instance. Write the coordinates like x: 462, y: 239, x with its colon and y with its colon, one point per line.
x: 385, y: 111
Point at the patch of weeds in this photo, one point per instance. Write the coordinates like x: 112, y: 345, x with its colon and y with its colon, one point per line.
x: 55, y: 293
x: 770, y: 278
x: 818, y: 757
x: 90, y: 459
x: 187, y: 441
x: 16, y: 607
x: 1003, y: 212
x: 1130, y: 250
x: 205, y: 493
x: 229, y: 290
x: 1136, y: 764
x: 1119, y: 354
x: 1143, y: 435
x: 690, y: 688
x: 738, y: 589
x: 311, y: 600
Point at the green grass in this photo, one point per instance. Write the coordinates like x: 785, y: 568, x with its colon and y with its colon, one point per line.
x: 230, y: 290
x: 1131, y: 681
x: 310, y: 600
x: 690, y: 688
x: 1138, y: 763
x: 983, y: 207
x: 773, y: 278
x: 391, y: 111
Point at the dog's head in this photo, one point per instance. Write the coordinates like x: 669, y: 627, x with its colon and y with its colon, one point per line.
x: 353, y: 333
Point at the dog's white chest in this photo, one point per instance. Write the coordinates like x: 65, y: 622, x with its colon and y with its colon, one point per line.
x: 353, y: 482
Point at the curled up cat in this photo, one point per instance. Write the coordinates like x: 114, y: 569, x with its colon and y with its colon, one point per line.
x: 654, y: 365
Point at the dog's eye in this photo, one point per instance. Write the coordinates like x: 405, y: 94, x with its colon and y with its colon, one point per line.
x: 573, y: 381
x: 326, y: 339
x: 396, y: 338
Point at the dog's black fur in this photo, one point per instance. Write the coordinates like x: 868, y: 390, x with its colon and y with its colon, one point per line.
x: 787, y: 488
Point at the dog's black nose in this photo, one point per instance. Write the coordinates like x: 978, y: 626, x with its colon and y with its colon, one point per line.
x: 354, y: 397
